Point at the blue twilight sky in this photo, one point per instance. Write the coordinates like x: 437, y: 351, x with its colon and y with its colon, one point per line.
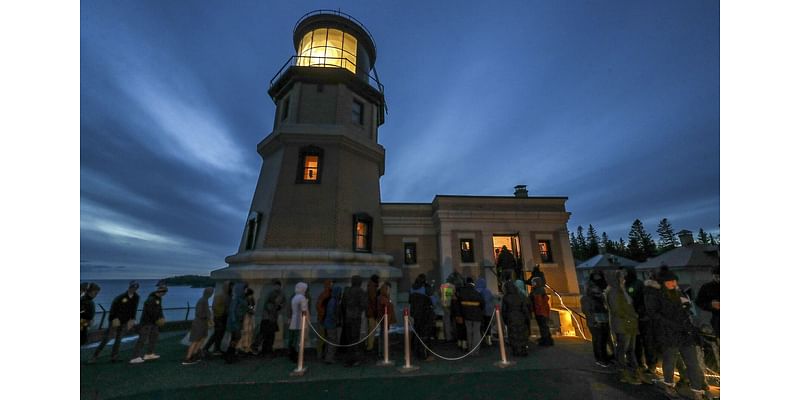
x: 614, y: 104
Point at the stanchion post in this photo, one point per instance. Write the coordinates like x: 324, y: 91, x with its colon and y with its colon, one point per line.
x: 301, y: 370
x: 385, y: 362
x: 407, y: 367
x: 503, y: 363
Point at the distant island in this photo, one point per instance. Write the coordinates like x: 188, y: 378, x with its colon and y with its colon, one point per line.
x: 195, y: 281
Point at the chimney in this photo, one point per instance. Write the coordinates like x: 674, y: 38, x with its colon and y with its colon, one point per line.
x: 686, y: 237
x: 521, y: 191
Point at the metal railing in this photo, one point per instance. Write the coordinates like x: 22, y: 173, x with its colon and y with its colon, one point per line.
x: 188, y: 309
x: 326, y: 62
x: 340, y: 14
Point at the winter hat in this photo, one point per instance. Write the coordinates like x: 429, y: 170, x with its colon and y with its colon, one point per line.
x: 133, y: 284
x: 666, y: 275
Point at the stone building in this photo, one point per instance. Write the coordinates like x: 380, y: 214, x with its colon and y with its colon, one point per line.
x: 317, y: 212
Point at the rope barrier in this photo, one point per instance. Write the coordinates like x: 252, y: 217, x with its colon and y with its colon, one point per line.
x: 377, y: 325
x: 572, y: 314
x: 488, y: 328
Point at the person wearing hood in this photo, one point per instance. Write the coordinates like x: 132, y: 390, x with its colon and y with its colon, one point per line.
x: 245, y: 344
x: 354, y: 305
x: 152, y: 319
x: 635, y: 290
x: 332, y: 323
x: 299, y: 307
x: 594, y: 307
x: 471, y: 304
x: 677, y: 334
x: 87, y: 310
x: 541, y: 306
x: 488, y: 307
x: 199, y: 331
x: 273, y: 305
x: 220, y: 308
x: 237, y: 309
x: 372, y: 308
x: 708, y: 299
x: 625, y: 325
x: 421, y: 311
x: 385, y: 308
x: 506, y: 264
x: 321, y: 305
x: 122, y: 317
x: 516, y: 316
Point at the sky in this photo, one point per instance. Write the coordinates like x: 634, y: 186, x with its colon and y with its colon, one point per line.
x: 615, y: 105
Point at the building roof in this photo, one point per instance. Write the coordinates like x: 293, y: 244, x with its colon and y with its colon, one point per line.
x: 693, y: 255
x: 606, y: 260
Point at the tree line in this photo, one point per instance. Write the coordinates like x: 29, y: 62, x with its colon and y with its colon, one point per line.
x: 640, y: 245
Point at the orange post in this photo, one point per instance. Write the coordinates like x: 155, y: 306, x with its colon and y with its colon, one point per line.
x: 503, y: 363
x: 301, y: 370
x: 407, y: 367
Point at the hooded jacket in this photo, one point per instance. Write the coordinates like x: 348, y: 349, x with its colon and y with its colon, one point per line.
x: 471, y: 303
x: 221, y: 301
x: 332, y: 310
x: 201, y: 310
x: 488, y: 297
x: 421, y: 310
x: 385, y: 302
x: 274, y: 304
x: 635, y: 289
x: 299, y: 304
x: 322, y: 301
x: 623, y: 316
x: 124, y: 307
x: 87, y: 307
x: 670, y: 311
x: 593, y: 301
x: 237, y: 309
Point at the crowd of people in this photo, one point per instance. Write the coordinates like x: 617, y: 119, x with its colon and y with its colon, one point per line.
x: 653, y: 324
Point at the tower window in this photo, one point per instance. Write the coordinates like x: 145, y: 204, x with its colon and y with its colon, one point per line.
x: 358, y: 112
x: 326, y: 47
x: 362, y: 233
x: 253, y: 220
x: 309, y: 168
x: 467, y: 251
x: 545, y: 251
x: 409, y: 253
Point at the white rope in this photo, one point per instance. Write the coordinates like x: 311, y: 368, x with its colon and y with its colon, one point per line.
x: 488, y: 328
x: 377, y: 325
x: 571, y: 314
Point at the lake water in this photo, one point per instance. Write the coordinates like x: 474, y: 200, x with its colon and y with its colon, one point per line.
x: 176, y: 297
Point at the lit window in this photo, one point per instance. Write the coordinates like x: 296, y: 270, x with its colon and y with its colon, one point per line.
x: 545, y: 251
x: 325, y: 47
x: 467, y: 251
x: 358, y: 112
x: 362, y: 233
x: 410, y: 253
x: 309, y: 168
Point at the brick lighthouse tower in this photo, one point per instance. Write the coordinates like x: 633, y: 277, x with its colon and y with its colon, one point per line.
x: 316, y: 211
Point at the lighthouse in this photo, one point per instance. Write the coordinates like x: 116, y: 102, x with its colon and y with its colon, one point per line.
x: 316, y: 209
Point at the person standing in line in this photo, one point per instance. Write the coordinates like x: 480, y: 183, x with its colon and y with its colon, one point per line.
x: 354, y: 304
x: 372, y: 309
x: 708, y: 299
x: 677, y: 334
x: 635, y: 291
x: 332, y: 323
x: 506, y: 264
x: 625, y: 325
x: 515, y: 313
x: 237, y: 309
x: 199, y: 330
x: 269, y: 322
x: 299, y: 307
x: 122, y: 317
x: 245, y: 345
x: 488, y: 307
x: 152, y: 319
x: 87, y: 310
x: 220, y: 309
x: 541, y: 307
x: 421, y: 311
x: 448, y: 291
x: 472, y: 307
x: 594, y: 307
x: 385, y: 308
x: 321, y: 305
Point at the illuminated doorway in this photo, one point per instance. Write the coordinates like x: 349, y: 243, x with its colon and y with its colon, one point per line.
x: 511, y: 242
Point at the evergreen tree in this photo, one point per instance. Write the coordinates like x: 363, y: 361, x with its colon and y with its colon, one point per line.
x: 711, y: 239
x: 640, y: 243
x: 582, y: 247
x: 593, y: 247
x: 573, y: 243
x: 702, y: 237
x: 622, y: 249
x: 666, y: 236
x: 607, y: 244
